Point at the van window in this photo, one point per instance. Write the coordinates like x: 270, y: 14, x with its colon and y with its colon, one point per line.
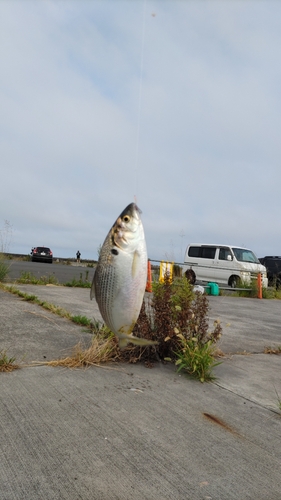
x: 194, y: 251
x: 224, y: 253
x: 245, y: 255
x: 208, y: 252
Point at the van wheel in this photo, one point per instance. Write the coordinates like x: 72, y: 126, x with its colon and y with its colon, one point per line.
x: 234, y: 281
x: 191, y: 276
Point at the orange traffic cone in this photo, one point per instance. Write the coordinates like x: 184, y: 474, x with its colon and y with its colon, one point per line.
x: 259, y: 286
x: 149, y: 278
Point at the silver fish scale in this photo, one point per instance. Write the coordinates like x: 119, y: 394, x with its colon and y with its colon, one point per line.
x: 104, y: 288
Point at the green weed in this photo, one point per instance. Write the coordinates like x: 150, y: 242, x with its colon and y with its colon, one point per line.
x: 251, y: 290
x: 247, y: 289
x: 92, y: 325
x: 7, y: 364
x: 196, y: 358
x: 97, y: 326
x: 29, y: 298
x: 81, y: 283
x: 27, y: 278
x: 271, y: 293
x: 81, y: 320
x: 4, y: 267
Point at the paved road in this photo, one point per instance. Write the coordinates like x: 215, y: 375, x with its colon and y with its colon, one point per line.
x: 62, y: 272
x: 125, y: 432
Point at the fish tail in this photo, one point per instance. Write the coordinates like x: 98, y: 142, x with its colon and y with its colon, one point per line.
x: 123, y: 343
x: 136, y: 341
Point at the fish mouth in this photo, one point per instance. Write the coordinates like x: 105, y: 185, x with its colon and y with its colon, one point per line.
x: 132, y: 210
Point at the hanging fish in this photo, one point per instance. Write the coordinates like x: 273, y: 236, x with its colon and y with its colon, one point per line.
x: 120, y: 277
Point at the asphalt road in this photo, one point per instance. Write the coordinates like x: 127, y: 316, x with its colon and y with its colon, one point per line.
x: 62, y: 272
x: 126, y: 432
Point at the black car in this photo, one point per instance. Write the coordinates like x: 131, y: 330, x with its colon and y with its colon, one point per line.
x: 273, y: 267
x: 42, y: 254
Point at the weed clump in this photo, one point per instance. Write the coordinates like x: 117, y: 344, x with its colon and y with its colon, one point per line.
x: 271, y: 293
x: 27, y: 278
x: 4, y: 267
x: 81, y: 283
x: 251, y: 290
x: 7, y: 364
x: 197, y: 358
x: 177, y: 319
x: 81, y: 320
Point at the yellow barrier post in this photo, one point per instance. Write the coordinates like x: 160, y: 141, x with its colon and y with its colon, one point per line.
x: 166, y: 268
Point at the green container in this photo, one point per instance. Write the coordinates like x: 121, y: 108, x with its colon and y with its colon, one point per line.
x: 212, y: 289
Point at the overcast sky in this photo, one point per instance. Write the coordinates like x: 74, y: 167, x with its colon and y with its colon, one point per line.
x: 176, y: 103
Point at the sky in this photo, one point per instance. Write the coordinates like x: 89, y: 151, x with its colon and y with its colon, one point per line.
x: 173, y: 104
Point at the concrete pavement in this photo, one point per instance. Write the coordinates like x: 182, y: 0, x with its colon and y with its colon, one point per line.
x: 128, y: 432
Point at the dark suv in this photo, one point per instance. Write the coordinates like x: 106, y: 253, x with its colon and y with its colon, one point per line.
x: 42, y: 254
x: 273, y: 267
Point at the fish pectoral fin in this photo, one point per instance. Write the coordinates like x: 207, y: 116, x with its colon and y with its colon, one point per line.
x: 136, y: 264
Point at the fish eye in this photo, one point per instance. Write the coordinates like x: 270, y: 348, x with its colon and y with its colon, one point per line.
x: 126, y: 218
x: 114, y: 251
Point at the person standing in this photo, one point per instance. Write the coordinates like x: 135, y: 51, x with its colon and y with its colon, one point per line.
x: 78, y: 255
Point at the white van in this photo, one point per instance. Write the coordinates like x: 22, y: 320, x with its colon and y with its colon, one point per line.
x: 223, y: 264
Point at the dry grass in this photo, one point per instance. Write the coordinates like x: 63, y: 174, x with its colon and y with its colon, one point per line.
x: 272, y: 350
x: 218, y: 353
x: 7, y: 364
x: 102, y: 350
x: 9, y: 367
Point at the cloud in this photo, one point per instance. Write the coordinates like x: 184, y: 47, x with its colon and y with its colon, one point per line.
x: 101, y: 102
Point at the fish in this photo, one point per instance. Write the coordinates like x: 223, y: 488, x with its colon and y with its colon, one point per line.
x: 120, y: 277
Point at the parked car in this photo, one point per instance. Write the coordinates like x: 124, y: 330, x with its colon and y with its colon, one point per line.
x: 42, y: 254
x: 273, y: 267
x: 223, y: 264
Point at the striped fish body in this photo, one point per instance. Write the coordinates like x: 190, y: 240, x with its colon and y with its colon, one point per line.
x: 120, y: 278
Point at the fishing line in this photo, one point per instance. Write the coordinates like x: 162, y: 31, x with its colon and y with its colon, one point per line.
x: 140, y: 100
